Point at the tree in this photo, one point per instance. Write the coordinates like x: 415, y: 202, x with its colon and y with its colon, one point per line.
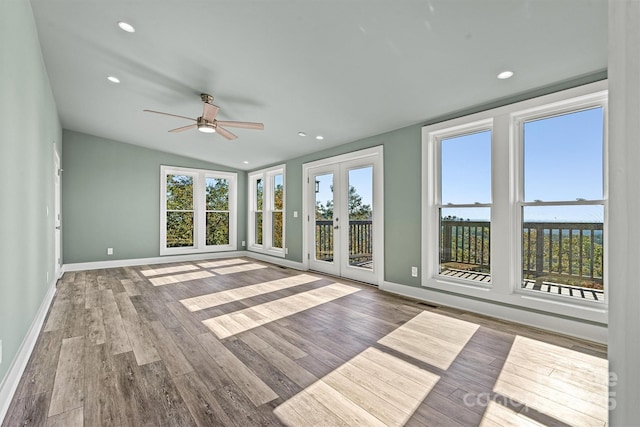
x: 357, y: 209
x: 179, y: 211
x: 217, y: 197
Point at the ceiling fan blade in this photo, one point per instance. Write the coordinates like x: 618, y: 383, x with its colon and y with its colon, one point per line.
x: 243, y: 125
x: 225, y: 133
x: 168, y: 114
x: 210, y: 111
x: 183, y: 128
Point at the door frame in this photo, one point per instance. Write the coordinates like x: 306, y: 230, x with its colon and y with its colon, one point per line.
x: 375, y: 154
x: 57, y: 213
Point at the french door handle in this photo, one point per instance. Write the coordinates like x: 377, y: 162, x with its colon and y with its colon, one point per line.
x: 336, y: 227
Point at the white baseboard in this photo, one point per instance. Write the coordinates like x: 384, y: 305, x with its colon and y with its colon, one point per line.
x: 11, y: 380
x: 83, y: 266
x: 567, y: 326
x: 276, y: 260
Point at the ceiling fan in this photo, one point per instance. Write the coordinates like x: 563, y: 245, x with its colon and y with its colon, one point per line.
x: 207, y: 123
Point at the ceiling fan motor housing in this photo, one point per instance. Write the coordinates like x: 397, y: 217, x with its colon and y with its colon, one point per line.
x: 205, y: 126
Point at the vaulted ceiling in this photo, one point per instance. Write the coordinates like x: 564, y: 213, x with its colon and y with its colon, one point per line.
x: 343, y: 69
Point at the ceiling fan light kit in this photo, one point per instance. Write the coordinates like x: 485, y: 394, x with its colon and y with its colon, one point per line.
x: 207, y: 123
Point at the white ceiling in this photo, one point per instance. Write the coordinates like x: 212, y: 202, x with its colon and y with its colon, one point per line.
x: 343, y: 69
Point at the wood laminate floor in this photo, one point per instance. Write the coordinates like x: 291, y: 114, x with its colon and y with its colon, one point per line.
x: 236, y: 342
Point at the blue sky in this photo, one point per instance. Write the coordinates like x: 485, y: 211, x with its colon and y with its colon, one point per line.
x: 360, y: 178
x: 562, y: 162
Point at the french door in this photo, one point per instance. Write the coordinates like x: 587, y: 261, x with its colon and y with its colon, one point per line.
x: 344, y: 216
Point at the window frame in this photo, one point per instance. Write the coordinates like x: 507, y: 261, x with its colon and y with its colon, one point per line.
x: 434, y: 183
x: 268, y: 208
x: 518, y: 120
x: 507, y: 170
x: 200, y: 210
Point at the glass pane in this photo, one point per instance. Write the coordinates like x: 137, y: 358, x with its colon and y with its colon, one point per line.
x: 277, y: 229
x: 324, y: 217
x: 179, y: 192
x: 278, y: 192
x: 258, y: 228
x: 179, y: 229
x: 217, y: 194
x: 466, y: 168
x: 217, y: 228
x: 465, y: 243
x: 562, y: 250
x: 563, y: 157
x: 259, y: 194
x: 361, y: 217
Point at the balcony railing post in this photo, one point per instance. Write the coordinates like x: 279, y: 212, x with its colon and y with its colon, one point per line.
x: 540, y: 250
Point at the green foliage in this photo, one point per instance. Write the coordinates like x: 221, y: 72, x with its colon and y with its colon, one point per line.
x: 180, y: 214
x: 565, y: 257
x: 179, y: 211
x: 277, y: 217
x: 217, y: 196
x: 357, y: 209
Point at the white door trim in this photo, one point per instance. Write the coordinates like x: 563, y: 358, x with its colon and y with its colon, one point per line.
x: 57, y: 213
x: 376, y: 155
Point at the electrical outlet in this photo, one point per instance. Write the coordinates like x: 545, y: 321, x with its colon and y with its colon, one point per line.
x: 286, y: 251
x: 295, y: 214
x: 109, y: 251
x: 414, y: 271
x: 244, y: 243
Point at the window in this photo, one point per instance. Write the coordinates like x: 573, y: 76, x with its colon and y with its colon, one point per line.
x: 465, y: 204
x: 197, y: 211
x: 515, y: 202
x: 266, y: 211
x: 562, y: 201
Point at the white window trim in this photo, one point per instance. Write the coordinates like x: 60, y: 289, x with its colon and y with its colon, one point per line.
x: 434, y: 184
x: 199, y: 207
x: 506, y: 193
x: 267, y: 175
x: 519, y: 118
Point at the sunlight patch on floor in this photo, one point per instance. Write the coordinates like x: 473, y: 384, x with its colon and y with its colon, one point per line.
x: 238, y: 268
x: 177, y: 278
x: 570, y: 386
x: 168, y: 270
x: 498, y: 415
x: 233, y: 323
x: 373, y: 389
x: 223, y: 297
x: 431, y: 338
x: 222, y: 263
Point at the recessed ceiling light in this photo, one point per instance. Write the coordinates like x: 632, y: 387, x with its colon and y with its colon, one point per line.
x: 125, y: 26
x: 302, y: 134
x: 319, y: 137
x: 505, y: 75
x: 245, y: 162
x: 113, y: 79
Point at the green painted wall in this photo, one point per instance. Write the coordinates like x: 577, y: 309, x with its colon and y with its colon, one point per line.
x: 402, y: 205
x: 402, y: 185
x: 29, y: 128
x: 111, y: 198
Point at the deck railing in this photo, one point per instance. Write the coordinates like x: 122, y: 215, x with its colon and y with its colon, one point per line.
x: 570, y: 252
x: 566, y: 252
x: 360, y: 240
